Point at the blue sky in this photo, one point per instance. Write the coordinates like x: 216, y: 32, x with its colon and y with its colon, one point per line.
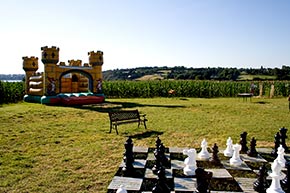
x: 137, y: 33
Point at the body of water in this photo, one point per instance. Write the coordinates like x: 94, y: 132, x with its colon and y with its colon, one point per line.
x: 11, y: 80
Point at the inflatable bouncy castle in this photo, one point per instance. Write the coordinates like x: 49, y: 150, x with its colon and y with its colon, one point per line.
x: 61, y: 84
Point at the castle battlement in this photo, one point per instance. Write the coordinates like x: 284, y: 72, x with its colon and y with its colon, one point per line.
x: 74, y: 62
x: 51, y: 48
x: 96, y: 58
x: 50, y: 55
x: 31, y: 57
x: 30, y: 63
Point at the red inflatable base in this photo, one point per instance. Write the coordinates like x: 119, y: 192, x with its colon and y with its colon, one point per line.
x: 82, y: 100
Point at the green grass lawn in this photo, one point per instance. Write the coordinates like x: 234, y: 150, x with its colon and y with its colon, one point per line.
x: 66, y: 149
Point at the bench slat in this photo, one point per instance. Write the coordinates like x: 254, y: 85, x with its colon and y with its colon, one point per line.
x: 124, y: 115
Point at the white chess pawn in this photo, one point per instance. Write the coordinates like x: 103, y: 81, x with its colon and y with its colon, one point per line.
x: 236, y: 160
x: 190, y: 162
x: 280, y: 158
x: 229, y: 150
x: 203, y: 154
x: 275, y: 186
x: 121, y: 189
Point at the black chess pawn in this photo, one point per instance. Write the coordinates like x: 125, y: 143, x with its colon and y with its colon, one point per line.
x: 286, y: 181
x: 215, y: 159
x: 253, y: 152
x: 283, y: 135
x: 128, y: 158
x: 277, y: 142
x: 161, y: 185
x: 261, y: 184
x: 203, y: 180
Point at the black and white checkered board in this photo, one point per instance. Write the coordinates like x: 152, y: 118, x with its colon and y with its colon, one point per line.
x: 226, y: 178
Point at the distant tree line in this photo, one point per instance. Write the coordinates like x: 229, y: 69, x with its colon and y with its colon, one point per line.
x: 12, y: 76
x: 183, y: 73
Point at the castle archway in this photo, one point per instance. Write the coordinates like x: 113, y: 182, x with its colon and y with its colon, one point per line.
x: 75, y: 80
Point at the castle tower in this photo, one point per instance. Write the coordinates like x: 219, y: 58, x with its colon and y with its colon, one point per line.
x: 96, y: 58
x: 50, y: 57
x: 96, y: 61
x: 30, y: 66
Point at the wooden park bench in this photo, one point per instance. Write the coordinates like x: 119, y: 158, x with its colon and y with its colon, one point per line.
x: 127, y: 116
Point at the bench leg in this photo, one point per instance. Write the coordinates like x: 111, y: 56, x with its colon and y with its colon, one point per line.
x: 145, y: 124
x: 110, y: 127
x: 116, y: 129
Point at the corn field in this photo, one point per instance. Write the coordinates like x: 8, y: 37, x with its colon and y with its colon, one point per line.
x: 188, y: 88
x: 11, y: 92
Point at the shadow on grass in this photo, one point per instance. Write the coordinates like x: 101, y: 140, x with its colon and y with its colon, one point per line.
x: 114, y: 106
x: 146, y: 134
x: 262, y: 102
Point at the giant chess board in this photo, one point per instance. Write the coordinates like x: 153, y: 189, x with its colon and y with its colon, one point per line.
x: 225, y: 177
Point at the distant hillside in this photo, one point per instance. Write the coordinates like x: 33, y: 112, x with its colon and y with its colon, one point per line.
x: 12, y: 76
x: 183, y: 73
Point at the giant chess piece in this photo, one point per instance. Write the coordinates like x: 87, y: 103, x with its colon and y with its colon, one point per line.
x: 128, y: 157
x: 158, y: 156
x: 203, y: 154
x: 275, y: 186
x: 158, y: 162
x: 286, y: 180
x: 253, y: 152
x: 229, y: 150
x: 190, y: 162
x: 215, y: 159
x: 161, y: 185
x: 236, y: 160
x: 280, y: 158
x: 277, y: 142
x: 203, y: 180
x: 261, y: 184
x: 121, y: 189
x: 243, y: 142
x: 157, y: 142
x: 283, y: 134
x: 165, y: 162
